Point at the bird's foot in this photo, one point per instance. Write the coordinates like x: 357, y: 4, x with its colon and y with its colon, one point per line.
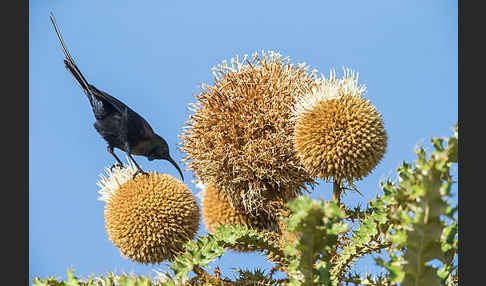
x: 140, y: 171
x: 118, y: 165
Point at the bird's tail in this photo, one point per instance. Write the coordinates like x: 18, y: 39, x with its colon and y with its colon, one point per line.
x: 69, y: 63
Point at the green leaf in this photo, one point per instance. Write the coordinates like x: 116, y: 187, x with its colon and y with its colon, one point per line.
x: 71, y: 281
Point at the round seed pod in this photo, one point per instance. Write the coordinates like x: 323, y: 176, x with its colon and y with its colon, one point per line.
x: 339, y: 133
x: 148, y: 218
x: 240, y: 136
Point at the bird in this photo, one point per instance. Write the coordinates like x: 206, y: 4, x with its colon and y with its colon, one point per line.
x: 118, y: 124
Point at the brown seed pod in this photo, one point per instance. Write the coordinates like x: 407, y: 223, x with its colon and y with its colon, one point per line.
x: 339, y: 133
x: 240, y: 137
x: 149, y: 218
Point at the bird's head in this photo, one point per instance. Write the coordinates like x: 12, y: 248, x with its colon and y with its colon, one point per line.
x: 160, y: 151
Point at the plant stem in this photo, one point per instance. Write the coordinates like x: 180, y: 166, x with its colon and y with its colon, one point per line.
x: 336, y: 193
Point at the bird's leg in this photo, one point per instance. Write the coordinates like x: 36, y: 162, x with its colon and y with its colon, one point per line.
x: 124, y: 137
x: 120, y: 164
x: 139, y: 170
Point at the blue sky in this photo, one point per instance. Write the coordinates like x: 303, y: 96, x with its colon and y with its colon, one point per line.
x: 153, y: 55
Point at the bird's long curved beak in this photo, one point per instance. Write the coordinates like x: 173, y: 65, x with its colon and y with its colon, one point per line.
x: 175, y: 165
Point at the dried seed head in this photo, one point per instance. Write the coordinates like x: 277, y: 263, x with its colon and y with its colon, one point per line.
x: 240, y: 136
x: 149, y: 218
x: 216, y: 210
x: 338, y: 133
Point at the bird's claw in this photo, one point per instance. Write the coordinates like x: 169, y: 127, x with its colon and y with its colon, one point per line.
x: 118, y: 165
x: 140, y: 171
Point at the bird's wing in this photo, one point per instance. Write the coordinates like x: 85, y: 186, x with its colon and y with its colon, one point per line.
x: 140, y: 124
x: 118, y: 105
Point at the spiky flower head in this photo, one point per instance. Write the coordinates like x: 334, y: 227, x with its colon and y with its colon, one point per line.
x: 216, y: 210
x: 338, y: 133
x: 240, y: 137
x: 148, y: 218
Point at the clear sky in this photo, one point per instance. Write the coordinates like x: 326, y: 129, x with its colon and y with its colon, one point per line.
x: 153, y: 55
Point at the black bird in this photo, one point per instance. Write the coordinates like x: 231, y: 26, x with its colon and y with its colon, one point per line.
x: 117, y: 123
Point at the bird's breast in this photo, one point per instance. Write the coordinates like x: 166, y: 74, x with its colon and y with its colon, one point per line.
x: 141, y: 148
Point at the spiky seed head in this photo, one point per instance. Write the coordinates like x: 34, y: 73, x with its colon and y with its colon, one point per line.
x: 148, y: 218
x: 338, y: 133
x: 216, y: 210
x: 240, y: 136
